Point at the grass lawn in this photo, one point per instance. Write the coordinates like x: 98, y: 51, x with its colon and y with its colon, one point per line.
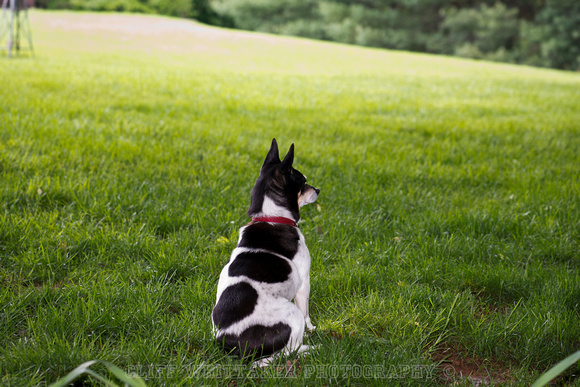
x: 445, y: 243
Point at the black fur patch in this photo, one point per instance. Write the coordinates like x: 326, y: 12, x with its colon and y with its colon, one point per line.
x: 236, y: 302
x: 262, y: 267
x: 280, y: 238
x: 257, y: 340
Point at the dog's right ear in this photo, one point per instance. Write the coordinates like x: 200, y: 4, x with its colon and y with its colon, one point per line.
x: 289, y: 159
x: 273, y: 156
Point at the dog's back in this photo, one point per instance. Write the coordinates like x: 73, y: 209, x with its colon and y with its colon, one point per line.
x: 260, y: 267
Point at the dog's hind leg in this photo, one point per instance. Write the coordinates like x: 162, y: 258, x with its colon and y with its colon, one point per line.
x: 294, y: 345
x: 266, y: 361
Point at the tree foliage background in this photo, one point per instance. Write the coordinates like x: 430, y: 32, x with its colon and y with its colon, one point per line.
x: 535, y: 32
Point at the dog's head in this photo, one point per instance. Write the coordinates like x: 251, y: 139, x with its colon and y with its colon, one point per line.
x: 282, y: 184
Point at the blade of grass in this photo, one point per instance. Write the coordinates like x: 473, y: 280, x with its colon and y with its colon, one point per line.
x: 556, y: 370
x: 128, y: 380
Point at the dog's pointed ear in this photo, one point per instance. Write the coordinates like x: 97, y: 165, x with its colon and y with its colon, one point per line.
x: 273, y: 156
x: 289, y: 159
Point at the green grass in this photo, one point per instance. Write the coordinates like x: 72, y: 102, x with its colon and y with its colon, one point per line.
x: 448, y: 226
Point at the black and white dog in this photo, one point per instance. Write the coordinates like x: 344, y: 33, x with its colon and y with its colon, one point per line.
x: 254, y: 314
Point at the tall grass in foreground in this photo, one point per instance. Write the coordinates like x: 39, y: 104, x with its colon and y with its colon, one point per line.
x: 447, y: 231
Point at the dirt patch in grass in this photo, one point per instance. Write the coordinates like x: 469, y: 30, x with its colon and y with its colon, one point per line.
x: 456, y: 365
x: 490, y: 311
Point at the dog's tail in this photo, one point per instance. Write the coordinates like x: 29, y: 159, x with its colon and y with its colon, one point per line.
x: 257, y: 341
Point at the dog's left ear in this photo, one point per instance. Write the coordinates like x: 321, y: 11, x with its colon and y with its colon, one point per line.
x: 289, y: 159
x: 273, y: 156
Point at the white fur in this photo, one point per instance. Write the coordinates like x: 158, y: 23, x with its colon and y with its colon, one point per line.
x: 269, y: 208
x: 274, y: 299
x: 308, y: 197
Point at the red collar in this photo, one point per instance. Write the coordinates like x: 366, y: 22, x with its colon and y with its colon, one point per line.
x: 275, y: 219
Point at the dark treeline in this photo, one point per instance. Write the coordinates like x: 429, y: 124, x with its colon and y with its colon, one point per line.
x: 535, y: 32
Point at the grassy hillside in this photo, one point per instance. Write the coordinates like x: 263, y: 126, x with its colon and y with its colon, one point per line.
x: 445, y: 241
